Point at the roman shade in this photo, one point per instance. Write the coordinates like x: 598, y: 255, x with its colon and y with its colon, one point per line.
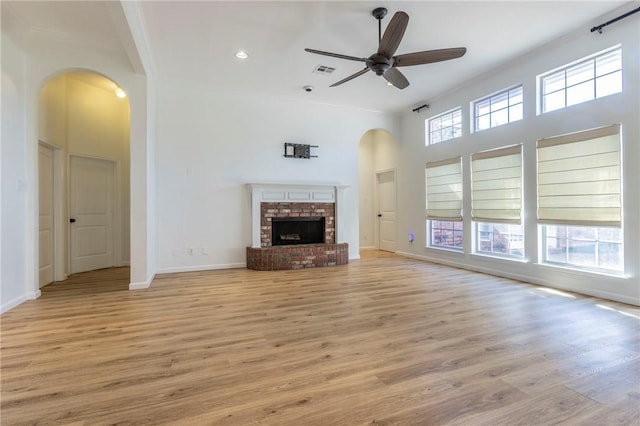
x: 496, y: 185
x: 444, y: 189
x: 579, y: 178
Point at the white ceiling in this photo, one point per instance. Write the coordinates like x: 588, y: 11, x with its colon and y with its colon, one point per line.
x: 195, y: 42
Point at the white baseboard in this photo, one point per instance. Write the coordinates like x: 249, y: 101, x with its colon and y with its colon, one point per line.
x: 368, y: 248
x: 142, y: 285
x: 19, y: 300
x: 526, y: 278
x: 201, y: 268
x: 13, y: 303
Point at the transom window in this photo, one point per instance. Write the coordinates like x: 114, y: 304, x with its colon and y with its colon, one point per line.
x: 496, y: 110
x: 444, y: 126
x: 590, y: 78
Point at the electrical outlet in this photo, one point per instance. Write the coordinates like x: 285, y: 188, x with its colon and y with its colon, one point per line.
x: 177, y: 252
x: 205, y: 251
x: 190, y: 251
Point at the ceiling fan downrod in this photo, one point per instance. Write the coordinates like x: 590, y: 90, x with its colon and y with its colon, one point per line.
x: 379, y: 13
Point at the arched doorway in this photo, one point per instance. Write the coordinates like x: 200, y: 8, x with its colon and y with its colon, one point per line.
x: 83, y: 167
x: 377, y: 160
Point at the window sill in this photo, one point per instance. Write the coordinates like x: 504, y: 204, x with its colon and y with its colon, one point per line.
x: 498, y: 257
x: 583, y: 271
x: 444, y: 249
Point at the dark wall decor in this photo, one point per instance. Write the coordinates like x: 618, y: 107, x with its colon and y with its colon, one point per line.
x: 296, y: 150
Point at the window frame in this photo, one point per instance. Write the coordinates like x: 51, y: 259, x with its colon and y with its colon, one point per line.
x: 540, y: 79
x: 509, y: 106
x: 453, y: 248
x: 544, y: 258
x: 429, y: 132
x: 477, y: 241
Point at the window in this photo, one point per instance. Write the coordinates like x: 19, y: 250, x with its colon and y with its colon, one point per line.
x: 503, y: 239
x: 588, y: 79
x: 496, y: 110
x: 579, y: 178
x: 496, y: 201
x: 590, y: 247
x: 496, y: 185
x: 579, y: 199
x: 444, y: 203
x: 445, y: 234
x: 444, y: 126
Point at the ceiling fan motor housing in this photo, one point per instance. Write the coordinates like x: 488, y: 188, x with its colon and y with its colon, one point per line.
x: 379, y: 63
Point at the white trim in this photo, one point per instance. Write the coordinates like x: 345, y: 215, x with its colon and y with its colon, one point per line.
x: 297, y: 193
x: 368, y: 248
x: 527, y: 279
x: 142, y: 285
x: 197, y: 268
x: 13, y: 303
x: 356, y: 257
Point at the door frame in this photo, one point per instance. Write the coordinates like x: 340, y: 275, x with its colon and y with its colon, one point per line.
x: 377, y: 202
x: 117, y: 206
x: 59, y: 230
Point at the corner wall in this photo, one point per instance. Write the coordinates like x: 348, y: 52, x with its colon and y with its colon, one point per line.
x: 618, y: 108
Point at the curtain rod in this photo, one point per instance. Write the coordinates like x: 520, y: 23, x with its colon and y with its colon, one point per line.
x: 599, y: 27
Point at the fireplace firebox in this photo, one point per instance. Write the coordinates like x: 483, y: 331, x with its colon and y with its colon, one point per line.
x: 297, y: 230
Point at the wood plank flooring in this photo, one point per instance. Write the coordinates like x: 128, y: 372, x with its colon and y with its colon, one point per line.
x: 383, y: 340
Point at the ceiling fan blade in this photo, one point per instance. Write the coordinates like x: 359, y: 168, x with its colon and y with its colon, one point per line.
x: 428, y: 56
x: 393, y: 34
x: 395, y: 77
x: 351, y: 77
x: 336, y: 55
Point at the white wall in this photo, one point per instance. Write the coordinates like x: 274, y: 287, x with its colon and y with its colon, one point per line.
x: 14, y: 179
x: 211, y: 143
x: 618, y: 108
x: 27, y: 67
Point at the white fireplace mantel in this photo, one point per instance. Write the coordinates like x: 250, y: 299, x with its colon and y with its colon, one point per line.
x: 295, y: 193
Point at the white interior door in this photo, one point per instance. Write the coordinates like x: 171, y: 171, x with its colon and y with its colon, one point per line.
x: 387, y: 211
x: 92, y: 184
x: 45, y: 217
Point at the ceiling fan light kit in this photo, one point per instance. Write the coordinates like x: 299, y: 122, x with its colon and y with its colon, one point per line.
x: 383, y: 62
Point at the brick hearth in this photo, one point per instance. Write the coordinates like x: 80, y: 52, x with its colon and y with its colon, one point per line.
x: 297, y: 257
x: 295, y: 201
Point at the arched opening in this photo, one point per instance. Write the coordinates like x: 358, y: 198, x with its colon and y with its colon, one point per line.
x: 377, y: 160
x: 83, y: 174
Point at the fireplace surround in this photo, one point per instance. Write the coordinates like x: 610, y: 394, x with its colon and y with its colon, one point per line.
x: 297, y: 206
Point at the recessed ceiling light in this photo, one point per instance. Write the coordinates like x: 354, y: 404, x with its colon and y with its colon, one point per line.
x: 241, y: 54
x: 120, y: 93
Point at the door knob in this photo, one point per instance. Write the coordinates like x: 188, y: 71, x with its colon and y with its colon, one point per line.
x: 72, y: 220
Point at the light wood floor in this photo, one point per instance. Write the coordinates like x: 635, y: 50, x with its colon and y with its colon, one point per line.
x: 384, y: 340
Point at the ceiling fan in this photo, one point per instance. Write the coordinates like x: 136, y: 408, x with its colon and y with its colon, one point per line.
x: 383, y: 62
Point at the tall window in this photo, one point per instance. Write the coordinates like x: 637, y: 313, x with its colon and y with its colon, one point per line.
x: 444, y: 203
x: 496, y: 110
x: 590, y: 78
x: 444, y: 126
x: 579, y: 194
x: 496, y: 201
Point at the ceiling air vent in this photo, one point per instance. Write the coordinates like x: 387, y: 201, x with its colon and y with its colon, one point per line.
x: 323, y: 69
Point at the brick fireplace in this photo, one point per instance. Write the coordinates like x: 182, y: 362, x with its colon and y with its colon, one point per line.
x: 305, y: 219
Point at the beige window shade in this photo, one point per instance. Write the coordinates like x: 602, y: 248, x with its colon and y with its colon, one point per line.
x: 496, y: 185
x: 579, y: 178
x: 444, y: 189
